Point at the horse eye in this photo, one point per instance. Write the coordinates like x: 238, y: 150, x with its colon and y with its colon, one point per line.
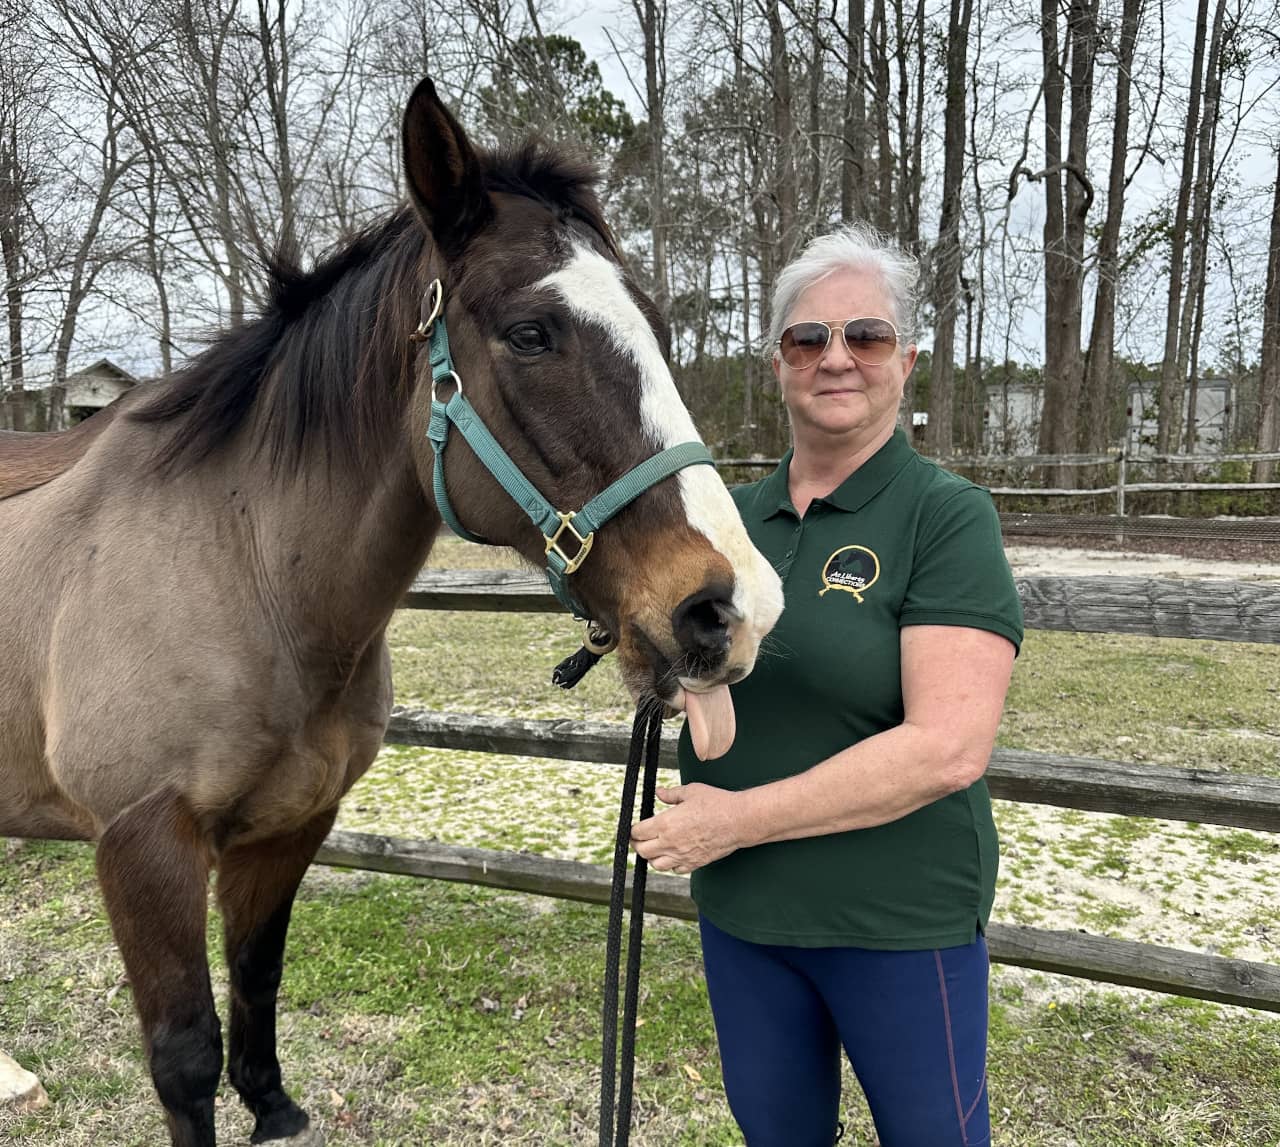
x: 528, y: 338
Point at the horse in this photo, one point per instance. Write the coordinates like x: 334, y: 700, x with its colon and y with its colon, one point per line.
x: 199, y: 578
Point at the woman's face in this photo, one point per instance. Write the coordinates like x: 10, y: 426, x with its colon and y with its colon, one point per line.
x: 838, y: 396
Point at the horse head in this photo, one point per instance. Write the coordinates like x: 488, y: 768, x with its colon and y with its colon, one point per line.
x: 561, y: 357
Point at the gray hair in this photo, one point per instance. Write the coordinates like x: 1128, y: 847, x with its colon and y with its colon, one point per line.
x: 857, y: 247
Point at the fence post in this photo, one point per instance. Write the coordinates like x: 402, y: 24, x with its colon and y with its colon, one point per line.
x: 1120, y: 475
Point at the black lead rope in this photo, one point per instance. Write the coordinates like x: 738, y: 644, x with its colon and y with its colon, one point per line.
x: 646, y: 738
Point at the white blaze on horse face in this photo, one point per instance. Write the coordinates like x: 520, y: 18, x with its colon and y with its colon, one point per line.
x: 593, y: 289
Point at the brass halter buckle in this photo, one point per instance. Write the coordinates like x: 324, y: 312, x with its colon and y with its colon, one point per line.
x: 584, y: 544
x: 432, y: 305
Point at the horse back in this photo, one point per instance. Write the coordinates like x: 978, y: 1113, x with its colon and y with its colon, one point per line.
x: 30, y: 460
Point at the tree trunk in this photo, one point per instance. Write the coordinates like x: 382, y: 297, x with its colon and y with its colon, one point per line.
x: 155, y: 265
x: 1269, y: 369
x: 1064, y: 228
x: 273, y: 35
x: 817, y: 74
x: 978, y: 388
x: 947, y: 255
x: 853, y: 174
x: 784, y: 132
x: 884, y: 149
x: 749, y: 361
x: 1201, y: 213
x: 652, y: 16
x: 1098, y: 392
x: 1169, y: 395
x: 10, y: 249
x: 84, y: 269
x: 903, y: 211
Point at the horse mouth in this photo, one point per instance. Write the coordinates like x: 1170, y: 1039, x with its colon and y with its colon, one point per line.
x: 648, y: 670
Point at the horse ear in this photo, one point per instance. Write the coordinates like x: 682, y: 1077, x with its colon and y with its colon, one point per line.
x: 443, y: 170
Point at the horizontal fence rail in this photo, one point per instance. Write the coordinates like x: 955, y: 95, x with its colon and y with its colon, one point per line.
x: 1155, y: 607
x: 1258, y: 529
x: 1231, y: 611
x: 1100, y: 958
x: 1197, y: 795
x: 1018, y: 461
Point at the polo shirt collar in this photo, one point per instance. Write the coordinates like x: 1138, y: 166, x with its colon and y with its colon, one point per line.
x: 855, y: 491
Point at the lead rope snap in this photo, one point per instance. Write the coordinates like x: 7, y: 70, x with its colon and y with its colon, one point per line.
x: 595, y: 645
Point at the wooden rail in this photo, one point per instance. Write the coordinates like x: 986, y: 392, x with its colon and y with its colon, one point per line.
x: 1156, y: 607
x: 1072, y: 953
x: 1224, y: 611
x: 1037, y: 778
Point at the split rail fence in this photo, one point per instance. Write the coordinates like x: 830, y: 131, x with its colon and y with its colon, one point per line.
x: 1223, y: 611
x: 1120, y: 458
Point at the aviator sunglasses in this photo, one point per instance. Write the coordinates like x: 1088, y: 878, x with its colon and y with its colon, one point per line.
x: 869, y: 340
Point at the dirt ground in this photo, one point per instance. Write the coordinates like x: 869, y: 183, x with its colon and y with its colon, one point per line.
x: 1147, y: 557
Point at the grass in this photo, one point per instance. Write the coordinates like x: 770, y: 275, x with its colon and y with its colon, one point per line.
x: 422, y: 1014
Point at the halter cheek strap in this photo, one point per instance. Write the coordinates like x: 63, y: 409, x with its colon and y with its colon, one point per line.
x: 554, y: 525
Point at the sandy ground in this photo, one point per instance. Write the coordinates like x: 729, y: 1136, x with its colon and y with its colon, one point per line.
x: 1067, y: 562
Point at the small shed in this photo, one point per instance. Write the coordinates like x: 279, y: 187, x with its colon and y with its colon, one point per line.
x: 93, y: 387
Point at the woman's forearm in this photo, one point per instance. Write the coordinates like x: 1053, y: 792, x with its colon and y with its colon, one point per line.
x: 873, y: 782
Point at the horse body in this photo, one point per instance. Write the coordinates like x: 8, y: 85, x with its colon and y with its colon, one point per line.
x: 239, y: 631
x: 199, y: 579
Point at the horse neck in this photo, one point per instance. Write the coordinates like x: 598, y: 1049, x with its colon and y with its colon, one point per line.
x: 333, y: 553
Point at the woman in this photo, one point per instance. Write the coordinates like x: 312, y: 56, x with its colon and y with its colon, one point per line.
x: 843, y: 851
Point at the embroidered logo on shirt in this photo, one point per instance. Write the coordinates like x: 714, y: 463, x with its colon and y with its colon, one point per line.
x: 853, y: 569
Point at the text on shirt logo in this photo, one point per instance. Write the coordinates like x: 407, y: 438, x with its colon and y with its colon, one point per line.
x: 853, y: 569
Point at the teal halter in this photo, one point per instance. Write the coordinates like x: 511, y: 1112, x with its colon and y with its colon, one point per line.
x: 579, y: 525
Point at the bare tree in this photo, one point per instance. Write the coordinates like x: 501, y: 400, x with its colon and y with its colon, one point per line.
x: 23, y: 102
x: 1169, y: 398
x: 1065, y: 216
x: 1097, y: 392
x: 947, y: 254
x: 853, y: 170
x: 1269, y: 368
x: 652, y: 15
x: 1201, y: 221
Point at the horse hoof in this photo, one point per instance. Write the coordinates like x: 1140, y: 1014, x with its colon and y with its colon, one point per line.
x: 309, y: 1136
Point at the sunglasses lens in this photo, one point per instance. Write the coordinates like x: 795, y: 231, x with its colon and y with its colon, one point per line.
x: 870, y: 340
x: 803, y: 343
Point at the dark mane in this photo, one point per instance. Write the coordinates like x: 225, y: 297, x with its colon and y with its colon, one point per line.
x: 308, y: 371
x: 563, y: 183
x: 324, y: 378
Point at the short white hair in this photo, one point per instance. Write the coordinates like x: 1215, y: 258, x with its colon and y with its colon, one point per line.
x: 851, y: 247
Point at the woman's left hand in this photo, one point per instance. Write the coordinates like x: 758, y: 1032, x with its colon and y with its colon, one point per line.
x: 700, y: 826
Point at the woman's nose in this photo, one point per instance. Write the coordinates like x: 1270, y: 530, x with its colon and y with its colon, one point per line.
x: 836, y: 356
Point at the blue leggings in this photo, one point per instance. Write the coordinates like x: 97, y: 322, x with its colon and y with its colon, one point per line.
x: 914, y: 1025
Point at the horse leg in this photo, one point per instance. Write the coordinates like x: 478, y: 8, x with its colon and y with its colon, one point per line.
x: 256, y: 887
x: 154, y: 872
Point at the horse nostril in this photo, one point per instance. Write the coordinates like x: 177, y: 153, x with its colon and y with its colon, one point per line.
x: 701, y: 625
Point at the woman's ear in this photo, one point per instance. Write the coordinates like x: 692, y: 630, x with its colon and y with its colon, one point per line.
x: 446, y: 181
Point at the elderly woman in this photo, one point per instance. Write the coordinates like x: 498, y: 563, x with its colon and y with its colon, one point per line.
x: 843, y: 851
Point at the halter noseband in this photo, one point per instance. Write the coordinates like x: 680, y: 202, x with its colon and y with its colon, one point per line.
x: 579, y: 525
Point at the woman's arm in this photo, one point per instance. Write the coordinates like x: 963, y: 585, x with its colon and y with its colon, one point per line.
x: 954, y: 681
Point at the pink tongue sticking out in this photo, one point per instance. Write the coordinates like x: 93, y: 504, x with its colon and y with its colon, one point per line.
x: 711, y: 721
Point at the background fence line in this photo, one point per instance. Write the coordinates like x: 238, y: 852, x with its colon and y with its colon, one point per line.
x: 1225, y: 611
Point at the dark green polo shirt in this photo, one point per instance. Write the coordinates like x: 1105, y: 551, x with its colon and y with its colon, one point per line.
x: 900, y: 542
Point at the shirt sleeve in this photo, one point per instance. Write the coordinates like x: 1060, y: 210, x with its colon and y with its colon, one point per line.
x: 960, y: 575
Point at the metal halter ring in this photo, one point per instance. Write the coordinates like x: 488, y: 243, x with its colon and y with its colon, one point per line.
x: 599, y: 640
x: 432, y: 305
x: 453, y: 374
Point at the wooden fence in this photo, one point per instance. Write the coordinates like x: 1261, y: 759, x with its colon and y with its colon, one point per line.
x: 1223, y: 611
x: 1120, y: 458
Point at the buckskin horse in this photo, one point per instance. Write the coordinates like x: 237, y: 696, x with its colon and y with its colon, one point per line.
x: 198, y: 579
